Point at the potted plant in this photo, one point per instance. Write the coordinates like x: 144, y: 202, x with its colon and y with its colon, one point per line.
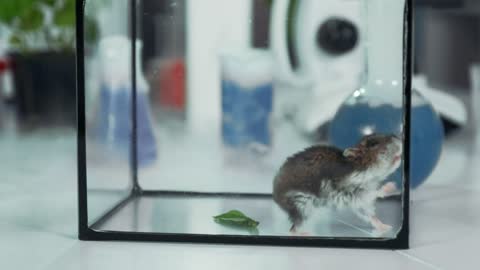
x: 42, y: 52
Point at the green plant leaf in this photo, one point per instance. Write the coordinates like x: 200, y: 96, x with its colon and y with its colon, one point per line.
x: 10, y: 10
x: 15, y: 40
x: 50, y: 3
x: 237, y: 219
x: 70, y: 4
x: 92, y: 31
x: 6, y: 12
x: 32, y: 19
x: 65, y: 17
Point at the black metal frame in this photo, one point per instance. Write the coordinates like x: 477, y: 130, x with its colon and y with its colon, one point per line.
x: 87, y: 232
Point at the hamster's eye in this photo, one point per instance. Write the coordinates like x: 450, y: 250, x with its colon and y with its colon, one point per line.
x: 372, y: 143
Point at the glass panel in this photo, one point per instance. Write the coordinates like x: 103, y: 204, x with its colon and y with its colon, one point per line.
x: 475, y: 111
x: 226, y: 126
x: 108, y: 106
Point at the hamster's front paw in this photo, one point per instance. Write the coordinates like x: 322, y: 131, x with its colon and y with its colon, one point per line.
x: 384, y: 228
x: 388, y: 189
x: 380, y: 226
x: 381, y: 233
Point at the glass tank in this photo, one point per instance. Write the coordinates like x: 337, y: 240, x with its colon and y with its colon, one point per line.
x: 199, y: 121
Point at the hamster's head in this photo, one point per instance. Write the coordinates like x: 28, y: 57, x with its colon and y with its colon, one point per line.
x: 380, y: 154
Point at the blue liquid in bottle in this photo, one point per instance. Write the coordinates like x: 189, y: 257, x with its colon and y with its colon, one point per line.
x: 246, y: 115
x: 113, y: 124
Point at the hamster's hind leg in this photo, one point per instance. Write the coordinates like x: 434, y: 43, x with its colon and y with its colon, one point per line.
x: 367, y: 214
x: 299, y: 208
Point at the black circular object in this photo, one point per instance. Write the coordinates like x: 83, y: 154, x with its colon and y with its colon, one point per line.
x: 337, y: 36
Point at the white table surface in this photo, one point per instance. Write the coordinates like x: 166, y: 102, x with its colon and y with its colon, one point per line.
x: 38, y: 218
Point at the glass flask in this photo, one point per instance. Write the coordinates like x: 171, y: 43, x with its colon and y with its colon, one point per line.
x: 234, y: 172
x: 374, y: 107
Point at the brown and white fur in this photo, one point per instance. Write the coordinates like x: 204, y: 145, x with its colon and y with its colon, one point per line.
x: 325, y: 176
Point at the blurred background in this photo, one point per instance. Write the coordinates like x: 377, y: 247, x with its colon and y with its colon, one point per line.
x: 37, y: 62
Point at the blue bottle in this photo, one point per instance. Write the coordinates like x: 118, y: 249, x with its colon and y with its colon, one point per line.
x: 113, y: 120
x: 247, y: 100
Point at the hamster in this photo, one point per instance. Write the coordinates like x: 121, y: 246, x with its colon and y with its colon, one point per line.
x: 325, y: 176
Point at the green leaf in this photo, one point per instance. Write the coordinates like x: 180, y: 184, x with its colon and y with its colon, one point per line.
x: 92, y: 32
x: 32, y: 19
x: 50, y: 3
x: 15, y: 40
x: 237, y: 219
x: 70, y: 4
x: 65, y: 17
x: 6, y: 16
x: 9, y: 10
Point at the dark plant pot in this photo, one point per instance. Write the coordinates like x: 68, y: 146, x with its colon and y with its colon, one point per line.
x: 45, y: 88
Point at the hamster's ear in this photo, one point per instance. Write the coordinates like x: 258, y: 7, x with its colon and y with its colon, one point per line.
x: 351, y: 153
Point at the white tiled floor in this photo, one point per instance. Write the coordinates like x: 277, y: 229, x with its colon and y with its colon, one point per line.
x: 87, y: 256
x: 38, y: 222
x: 459, y: 253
